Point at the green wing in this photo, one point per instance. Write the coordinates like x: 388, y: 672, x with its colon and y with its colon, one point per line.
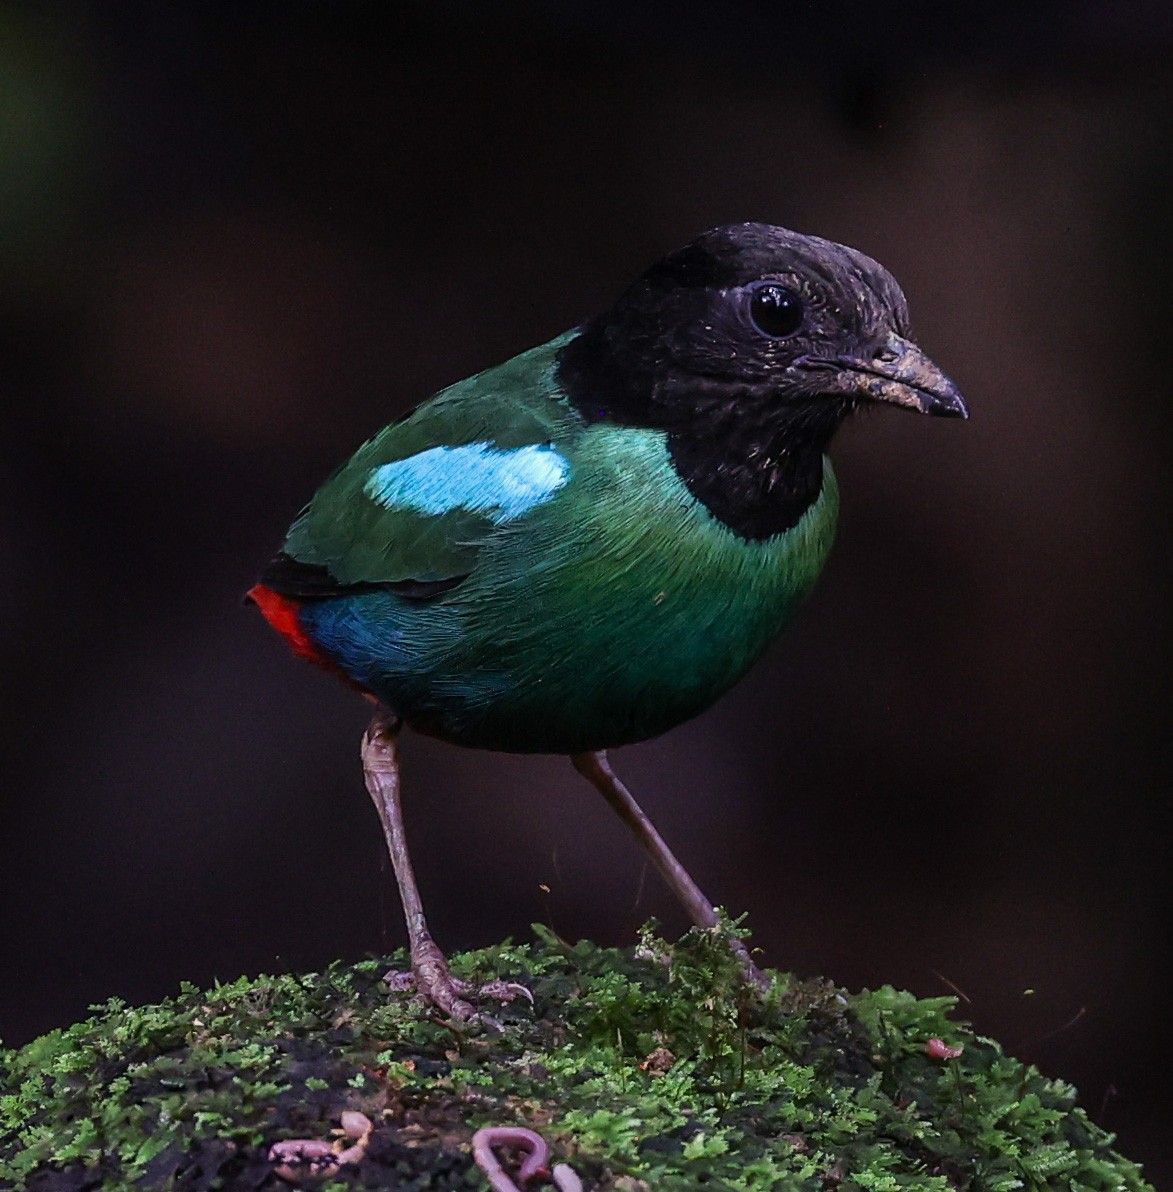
x: 417, y: 501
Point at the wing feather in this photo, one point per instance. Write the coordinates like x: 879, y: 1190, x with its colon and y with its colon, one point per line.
x: 413, y: 507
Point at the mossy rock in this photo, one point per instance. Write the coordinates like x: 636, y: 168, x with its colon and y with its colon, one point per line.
x: 653, y: 1068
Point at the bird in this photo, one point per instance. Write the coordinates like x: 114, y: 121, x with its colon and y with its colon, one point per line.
x: 589, y: 544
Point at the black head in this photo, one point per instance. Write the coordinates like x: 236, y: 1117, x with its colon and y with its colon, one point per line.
x: 749, y: 346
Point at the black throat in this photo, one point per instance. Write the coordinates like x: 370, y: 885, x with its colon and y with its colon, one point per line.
x: 753, y: 461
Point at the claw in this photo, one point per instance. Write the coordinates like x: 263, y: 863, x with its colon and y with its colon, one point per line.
x: 503, y: 991
x: 399, y: 981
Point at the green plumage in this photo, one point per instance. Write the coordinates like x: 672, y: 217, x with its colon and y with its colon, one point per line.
x: 588, y: 544
x: 612, y: 611
x: 360, y: 541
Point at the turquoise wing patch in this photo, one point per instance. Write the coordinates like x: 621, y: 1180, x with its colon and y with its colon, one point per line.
x: 420, y: 499
x: 476, y: 477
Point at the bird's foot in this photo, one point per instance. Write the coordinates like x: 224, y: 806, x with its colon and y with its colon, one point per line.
x: 727, y: 932
x: 431, y: 980
x: 753, y: 975
x: 501, y: 991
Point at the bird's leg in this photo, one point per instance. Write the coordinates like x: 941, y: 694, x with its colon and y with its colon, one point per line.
x: 429, y: 967
x: 380, y: 761
x: 596, y: 769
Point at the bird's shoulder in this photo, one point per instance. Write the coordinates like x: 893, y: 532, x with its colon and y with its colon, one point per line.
x: 415, y: 502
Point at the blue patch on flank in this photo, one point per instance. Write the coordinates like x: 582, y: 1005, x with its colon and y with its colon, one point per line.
x: 476, y: 477
x: 358, y: 634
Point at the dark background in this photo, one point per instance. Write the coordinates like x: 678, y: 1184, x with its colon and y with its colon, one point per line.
x: 237, y: 239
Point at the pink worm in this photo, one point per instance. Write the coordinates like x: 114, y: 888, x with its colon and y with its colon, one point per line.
x: 483, y: 1142
x: 938, y: 1049
x: 565, y: 1178
x: 297, y: 1158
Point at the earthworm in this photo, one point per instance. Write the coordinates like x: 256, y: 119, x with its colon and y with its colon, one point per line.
x: 483, y: 1142
x: 565, y: 1178
x: 299, y: 1158
x: 938, y: 1049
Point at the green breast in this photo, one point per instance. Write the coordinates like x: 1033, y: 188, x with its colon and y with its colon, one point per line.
x: 617, y: 610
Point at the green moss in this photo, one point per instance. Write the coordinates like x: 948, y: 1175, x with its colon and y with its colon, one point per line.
x: 647, y: 1068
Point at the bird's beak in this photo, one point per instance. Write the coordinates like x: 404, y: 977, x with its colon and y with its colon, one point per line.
x: 901, y: 374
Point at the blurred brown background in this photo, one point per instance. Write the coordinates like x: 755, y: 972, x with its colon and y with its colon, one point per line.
x: 237, y: 239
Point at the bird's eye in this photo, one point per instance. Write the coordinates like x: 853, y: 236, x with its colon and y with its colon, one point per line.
x: 775, y: 310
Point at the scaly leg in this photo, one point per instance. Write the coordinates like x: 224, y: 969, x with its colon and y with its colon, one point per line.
x: 380, y: 761
x: 430, y: 974
x: 596, y: 769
